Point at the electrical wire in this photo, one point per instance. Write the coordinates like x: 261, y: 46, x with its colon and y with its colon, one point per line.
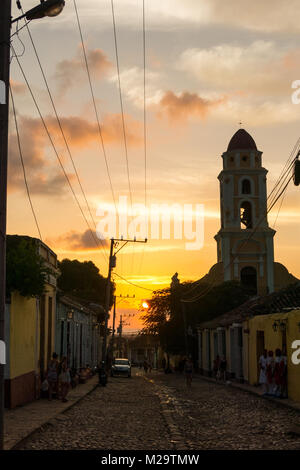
x: 121, y: 100
x: 22, y: 163
x: 94, y: 104
x: 286, y: 178
x: 55, y: 150
x: 132, y: 283
x: 64, y: 136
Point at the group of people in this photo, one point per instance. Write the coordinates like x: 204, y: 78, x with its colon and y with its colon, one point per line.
x: 219, y: 368
x: 273, y: 373
x: 58, y: 378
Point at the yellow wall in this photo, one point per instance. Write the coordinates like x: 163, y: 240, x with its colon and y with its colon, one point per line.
x: 22, y: 335
x: 273, y: 340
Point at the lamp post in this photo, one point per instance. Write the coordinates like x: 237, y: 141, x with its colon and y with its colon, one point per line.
x: 46, y: 8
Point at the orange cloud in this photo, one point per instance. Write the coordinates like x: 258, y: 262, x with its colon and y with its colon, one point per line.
x: 44, y: 174
x: 182, y: 106
x: 80, y: 132
x: 71, y: 71
x: 77, y: 241
x: 17, y: 87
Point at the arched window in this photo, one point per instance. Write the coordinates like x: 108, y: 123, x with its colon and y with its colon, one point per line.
x: 246, y: 187
x: 246, y: 215
x: 249, y: 279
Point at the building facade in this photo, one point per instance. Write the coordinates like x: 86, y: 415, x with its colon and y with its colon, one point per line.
x: 30, y: 336
x: 78, y: 332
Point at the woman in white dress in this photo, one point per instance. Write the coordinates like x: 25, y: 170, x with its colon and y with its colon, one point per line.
x: 263, y: 371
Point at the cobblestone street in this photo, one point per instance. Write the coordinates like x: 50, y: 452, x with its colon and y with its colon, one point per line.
x: 157, y: 412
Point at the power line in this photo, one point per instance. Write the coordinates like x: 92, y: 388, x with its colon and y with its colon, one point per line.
x: 63, y: 134
x: 94, y: 104
x: 279, y: 191
x: 121, y: 99
x: 132, y: 283
x: 22, y: 162
x: 54, y: 148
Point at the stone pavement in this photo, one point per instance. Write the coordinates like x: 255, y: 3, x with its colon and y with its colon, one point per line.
x: 20, y: 422
x: 286, y: 402
x: 157, y: 412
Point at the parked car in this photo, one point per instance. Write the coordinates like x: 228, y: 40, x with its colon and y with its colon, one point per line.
x: 121, y: 366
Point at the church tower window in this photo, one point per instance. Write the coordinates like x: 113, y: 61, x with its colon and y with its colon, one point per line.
x: 246, y: 215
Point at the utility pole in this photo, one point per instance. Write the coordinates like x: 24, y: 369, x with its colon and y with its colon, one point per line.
x: 114, y: 317
x: 45, y: 8
x: 112, y: 264
x: 5, y: 22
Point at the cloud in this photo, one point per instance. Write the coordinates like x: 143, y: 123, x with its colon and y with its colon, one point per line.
x: 78, y: 241
x: 80, y: 132
x: 70, y: 72
x: 255, y: 68
x: 17, y: 87
x: 173, y: 15
x: 132, y: 82
x: 182, y: 106
x: 43, y: 171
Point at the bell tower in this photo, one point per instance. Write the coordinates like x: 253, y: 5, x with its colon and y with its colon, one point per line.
x: 245, y: 240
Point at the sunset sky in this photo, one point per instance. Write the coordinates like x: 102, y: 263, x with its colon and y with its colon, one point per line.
x: 209, y: 65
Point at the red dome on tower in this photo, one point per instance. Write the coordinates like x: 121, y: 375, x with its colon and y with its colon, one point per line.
x: 241, y: 140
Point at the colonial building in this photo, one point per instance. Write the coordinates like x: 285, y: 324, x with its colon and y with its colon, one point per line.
x: 30, y: 335
x: 241, y: 335
x: 245, y: 250
x: 78, y: 331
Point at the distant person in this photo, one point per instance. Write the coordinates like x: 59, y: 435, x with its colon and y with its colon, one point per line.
x: 263, y: 371
x: 270, y: 373
x: 216, y: 367
x: 283, y: 364
x: 146, y: 365
x: 223, y: 367
x: 64, y: 379
x: 52, y: 376
x: 277, y: 374
x: 188, y: 371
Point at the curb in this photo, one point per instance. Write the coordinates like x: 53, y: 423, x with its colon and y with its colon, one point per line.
x: 50, y: 421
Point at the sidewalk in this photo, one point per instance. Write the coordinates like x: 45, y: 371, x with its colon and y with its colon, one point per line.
x: 20, y: 422
x: 286, y: 402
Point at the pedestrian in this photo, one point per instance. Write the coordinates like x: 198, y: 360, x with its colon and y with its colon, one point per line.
x: 277, y: 374
x: 188, y: 370
x: 263, y: 371
x: 270, y: 373
x: 216, y: 367
x: 223, y: 367
x: 145, y: 366
x: 64, y: 379
x: 52, y: 376
x: 283, y: 364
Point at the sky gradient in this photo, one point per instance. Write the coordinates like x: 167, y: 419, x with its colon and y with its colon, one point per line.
x: 210, y: 64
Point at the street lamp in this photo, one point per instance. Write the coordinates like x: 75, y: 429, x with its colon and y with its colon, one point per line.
x: 46, y: 8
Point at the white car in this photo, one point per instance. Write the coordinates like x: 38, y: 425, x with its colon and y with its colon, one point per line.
x: 121, y: 366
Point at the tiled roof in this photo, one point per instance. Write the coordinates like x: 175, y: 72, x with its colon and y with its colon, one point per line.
x: 282, y: 300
